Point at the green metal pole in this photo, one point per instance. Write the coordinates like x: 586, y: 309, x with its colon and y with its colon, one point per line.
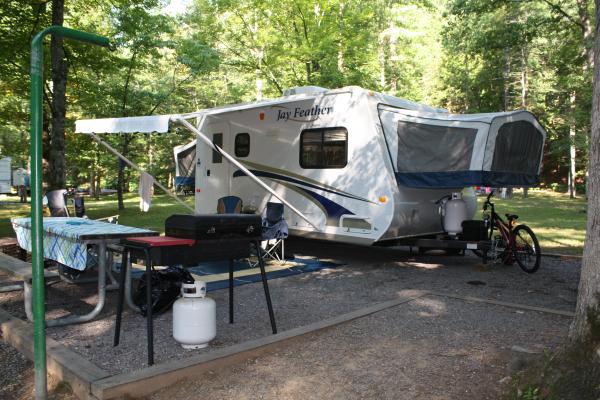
x: 37, y: 251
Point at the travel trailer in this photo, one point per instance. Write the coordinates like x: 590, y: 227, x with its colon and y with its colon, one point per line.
x: 5, y: 175
x: 352, y: 165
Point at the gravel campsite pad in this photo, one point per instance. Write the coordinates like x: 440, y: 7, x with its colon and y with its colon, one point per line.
x: 432, y: 347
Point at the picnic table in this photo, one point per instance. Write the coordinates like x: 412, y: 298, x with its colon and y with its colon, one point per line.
x: 66, y: 241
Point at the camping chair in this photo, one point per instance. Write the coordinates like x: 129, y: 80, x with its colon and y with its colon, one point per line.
x: 229, y: 205
x: 274, y: 232
x: 57, y: 203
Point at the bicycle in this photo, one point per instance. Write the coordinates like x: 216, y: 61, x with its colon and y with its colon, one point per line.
x: 513, y: 242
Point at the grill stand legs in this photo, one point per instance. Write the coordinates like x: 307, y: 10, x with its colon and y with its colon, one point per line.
x: 263, y: 275
x: 231, y: 291
x: 149, y: 321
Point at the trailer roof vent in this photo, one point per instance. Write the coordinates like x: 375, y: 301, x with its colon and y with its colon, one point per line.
x: 304, y: 90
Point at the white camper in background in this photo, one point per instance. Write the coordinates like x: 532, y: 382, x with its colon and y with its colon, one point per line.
x: 356, y: 166
x: 5, y: 175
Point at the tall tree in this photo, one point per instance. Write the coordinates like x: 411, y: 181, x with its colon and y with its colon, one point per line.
x: 57, y: 167
x: 589, y: 283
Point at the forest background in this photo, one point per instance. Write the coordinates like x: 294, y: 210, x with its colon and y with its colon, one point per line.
x: 467, y: 56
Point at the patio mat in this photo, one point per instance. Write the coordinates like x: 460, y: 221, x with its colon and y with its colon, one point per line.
x: 216, y: 274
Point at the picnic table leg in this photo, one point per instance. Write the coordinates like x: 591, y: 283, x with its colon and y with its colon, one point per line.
x: 231, y: 291
x: 263, y: 275
x: 114, y: 284
x: 77, y: 319
x: 27, y: 298
x: 121, y: 296
x: 149, y: 325
x: 128, y: 297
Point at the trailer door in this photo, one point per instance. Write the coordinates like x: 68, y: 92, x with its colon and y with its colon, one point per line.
x: 212, y: 169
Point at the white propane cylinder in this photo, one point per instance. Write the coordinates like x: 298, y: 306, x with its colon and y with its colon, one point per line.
x: 194, y: 316
x: 455, y: 212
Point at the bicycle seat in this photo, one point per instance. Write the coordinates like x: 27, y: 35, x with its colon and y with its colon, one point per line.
x: 511, y: 216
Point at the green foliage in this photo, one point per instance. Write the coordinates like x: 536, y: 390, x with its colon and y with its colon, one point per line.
x: 506, y: 55
x: 464, y: 55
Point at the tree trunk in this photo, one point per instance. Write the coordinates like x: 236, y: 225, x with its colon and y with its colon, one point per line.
x: 589, y: 283
x: 56, y: 178
x: 93, y: 180
x: 126, y: 137
x: 572, y: 150
x: 98, y: 188
x: 524, y: 77
x: 524, y: 90
x: 586, y: 33
x: 381, y: 59
x: 506, y: 78
x: 121, y: 172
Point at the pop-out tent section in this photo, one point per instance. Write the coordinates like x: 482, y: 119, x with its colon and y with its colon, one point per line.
x: 185, y: 164
x: 442, y: 150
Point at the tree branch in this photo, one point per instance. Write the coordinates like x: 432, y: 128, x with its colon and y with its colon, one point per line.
x: 166, y: 96
x: 562, y: 12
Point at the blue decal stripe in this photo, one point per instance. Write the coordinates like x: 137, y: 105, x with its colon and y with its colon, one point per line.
x: 458, y: 179
x: 295, y: 181
x: 334, y: 211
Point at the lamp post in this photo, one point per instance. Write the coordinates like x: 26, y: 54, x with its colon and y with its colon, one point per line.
x: 37, y: 251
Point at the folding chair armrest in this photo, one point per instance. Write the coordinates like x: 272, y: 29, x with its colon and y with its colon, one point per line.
x: 113, y: 219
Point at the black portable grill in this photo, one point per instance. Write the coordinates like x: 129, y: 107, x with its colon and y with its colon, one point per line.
x: 217, y: 236
x: 188, y: 240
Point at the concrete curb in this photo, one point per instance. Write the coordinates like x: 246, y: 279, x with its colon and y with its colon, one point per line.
x: 562, y: 256
x: 62, y: 363
x: 505, y: 304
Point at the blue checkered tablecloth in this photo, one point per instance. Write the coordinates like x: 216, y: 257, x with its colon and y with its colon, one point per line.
x: 65, y: 240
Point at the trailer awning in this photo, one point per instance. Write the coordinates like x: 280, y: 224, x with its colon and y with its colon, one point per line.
x: 155, y: 123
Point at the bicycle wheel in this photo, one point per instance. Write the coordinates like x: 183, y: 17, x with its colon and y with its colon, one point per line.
x: 526, y: 249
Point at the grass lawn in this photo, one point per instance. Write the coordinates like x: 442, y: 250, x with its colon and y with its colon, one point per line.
x: 558, y: 221
x: 162, y: 207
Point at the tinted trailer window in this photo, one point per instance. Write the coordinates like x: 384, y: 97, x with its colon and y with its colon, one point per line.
x: 324, y: 148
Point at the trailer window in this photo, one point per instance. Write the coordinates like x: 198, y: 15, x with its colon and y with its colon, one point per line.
x: 217, y: 158
x: 324, y: 148
x: 242, y: 145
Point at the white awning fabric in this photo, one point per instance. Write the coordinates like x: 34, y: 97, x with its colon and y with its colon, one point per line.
x: 155, y: 123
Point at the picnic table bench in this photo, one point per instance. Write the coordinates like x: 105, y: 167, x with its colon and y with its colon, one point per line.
x: 22, y: 271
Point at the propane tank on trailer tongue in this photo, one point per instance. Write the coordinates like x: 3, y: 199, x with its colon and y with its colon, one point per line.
x: 455, y: 212
x: 194, y: 316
